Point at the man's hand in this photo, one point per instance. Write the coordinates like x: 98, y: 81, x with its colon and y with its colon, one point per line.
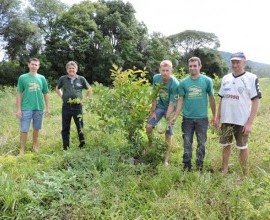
x: 152, y: 115
x: 246, y: 129
x: 19, y: 114
x: 216, y: 122
x: 46, y: 112
x: 172, y: 121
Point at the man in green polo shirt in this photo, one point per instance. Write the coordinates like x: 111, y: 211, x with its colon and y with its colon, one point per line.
x: 69, y: 88
x: 32, y: 91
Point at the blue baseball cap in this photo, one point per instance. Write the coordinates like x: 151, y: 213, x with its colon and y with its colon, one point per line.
x: 238, y: 56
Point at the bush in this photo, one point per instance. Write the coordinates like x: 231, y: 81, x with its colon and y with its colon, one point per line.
x: 126, y: 106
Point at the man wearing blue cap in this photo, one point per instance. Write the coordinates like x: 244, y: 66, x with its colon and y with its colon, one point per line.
x: 240, y: 94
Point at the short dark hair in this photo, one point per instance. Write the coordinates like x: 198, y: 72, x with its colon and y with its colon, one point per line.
x: 34, y: 59
x: 192, y: 59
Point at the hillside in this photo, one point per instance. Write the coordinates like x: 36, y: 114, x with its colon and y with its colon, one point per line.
x: 260, y: 69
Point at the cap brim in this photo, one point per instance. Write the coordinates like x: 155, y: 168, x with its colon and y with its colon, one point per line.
x: 237, y: 58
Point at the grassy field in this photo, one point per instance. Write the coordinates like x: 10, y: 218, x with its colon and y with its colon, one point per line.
x: 110, y: 180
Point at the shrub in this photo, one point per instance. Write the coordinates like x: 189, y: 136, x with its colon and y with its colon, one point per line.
x: 126, y: 106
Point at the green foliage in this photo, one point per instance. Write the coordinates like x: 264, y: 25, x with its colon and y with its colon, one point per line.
x: 158, y: 48
x: 126, y: 106
x: 23, y: 39
x: 44, y: 13
x: 190, y: 40
x: 9, y: 72
x: 8, y: 10
x: 212, y: 62
x: 216, y: 82
x: 181, y: 73
x: 97, y: 35
x: 106, y: 181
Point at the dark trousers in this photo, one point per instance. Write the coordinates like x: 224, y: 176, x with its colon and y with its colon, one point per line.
x: 71, y: 111
x: 189, y: 127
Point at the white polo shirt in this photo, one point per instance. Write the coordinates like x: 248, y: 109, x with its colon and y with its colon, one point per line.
x: 236, y: 93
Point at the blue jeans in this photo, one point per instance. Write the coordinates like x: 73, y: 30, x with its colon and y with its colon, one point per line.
x: 27, y: 115
x: 159, y: 114
x: 189, y: 126
x: 70, y: 111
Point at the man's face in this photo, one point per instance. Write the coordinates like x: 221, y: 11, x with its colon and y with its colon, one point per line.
x: 71, y: 70
x: 238, y: 66
x: 166, y: 72
x: 33, y: 66
x: 194, y: 68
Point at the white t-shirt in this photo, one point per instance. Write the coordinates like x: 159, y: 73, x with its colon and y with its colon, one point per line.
x: 236, y: 93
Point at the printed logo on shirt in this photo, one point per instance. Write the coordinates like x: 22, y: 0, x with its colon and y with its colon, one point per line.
x: 164, y: 93
x: 240, y: 90
x: 194, y: 92
x: 33, y: 86
x: 225, y: 83
x: 230, y: 96
x: 78, y: 84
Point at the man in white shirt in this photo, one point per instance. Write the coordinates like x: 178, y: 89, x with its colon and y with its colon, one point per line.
x: 240, y: 94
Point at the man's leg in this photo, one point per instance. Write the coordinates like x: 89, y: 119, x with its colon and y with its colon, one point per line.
x: 78, y: 119
x: 201, y: 126
x: 226, y: 139
x: 23, y: 139
x: 243, y: 158
x: 168, y: 140
x: 35, y: 139
x: 188, y: 132
x: 66, y: 120
x: 24, y: 128
x: 152, y: 122
x: 149, y: 132
x: 225, y: 159
x: 242, y: 145
x: 37, y: 125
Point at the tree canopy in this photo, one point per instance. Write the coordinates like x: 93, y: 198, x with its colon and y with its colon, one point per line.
x: 96, y: 35
x: 191, y: 40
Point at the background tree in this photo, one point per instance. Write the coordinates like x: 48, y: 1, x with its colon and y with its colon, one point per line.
x: 8, y: 10
x: 191, y: 40
x: 212, y: 62
x: 203, y: 45
x: 97, y: 35
x: 44, y: 14
x: 158, y: 48
x: 22, y: 39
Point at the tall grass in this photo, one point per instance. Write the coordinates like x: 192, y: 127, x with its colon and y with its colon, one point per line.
x: 109, y: 180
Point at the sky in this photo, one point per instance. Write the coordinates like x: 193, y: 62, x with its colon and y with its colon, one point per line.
x: 240, y: 25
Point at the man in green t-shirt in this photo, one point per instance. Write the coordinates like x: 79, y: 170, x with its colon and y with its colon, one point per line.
x: 193, y: 92
x: 32, y: 90
x: 69, y: 88
x: 165, y: 89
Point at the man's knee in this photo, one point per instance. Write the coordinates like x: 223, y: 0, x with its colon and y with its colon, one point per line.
x: 149, y: 128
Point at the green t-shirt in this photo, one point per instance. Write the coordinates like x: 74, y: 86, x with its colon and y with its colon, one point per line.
x: 32, y: 88
x: 72, y: 89
x: 194, y: 93
x: 165, y: 92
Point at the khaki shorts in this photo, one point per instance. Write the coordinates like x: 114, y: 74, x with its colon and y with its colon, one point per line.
x: 230, y: 130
